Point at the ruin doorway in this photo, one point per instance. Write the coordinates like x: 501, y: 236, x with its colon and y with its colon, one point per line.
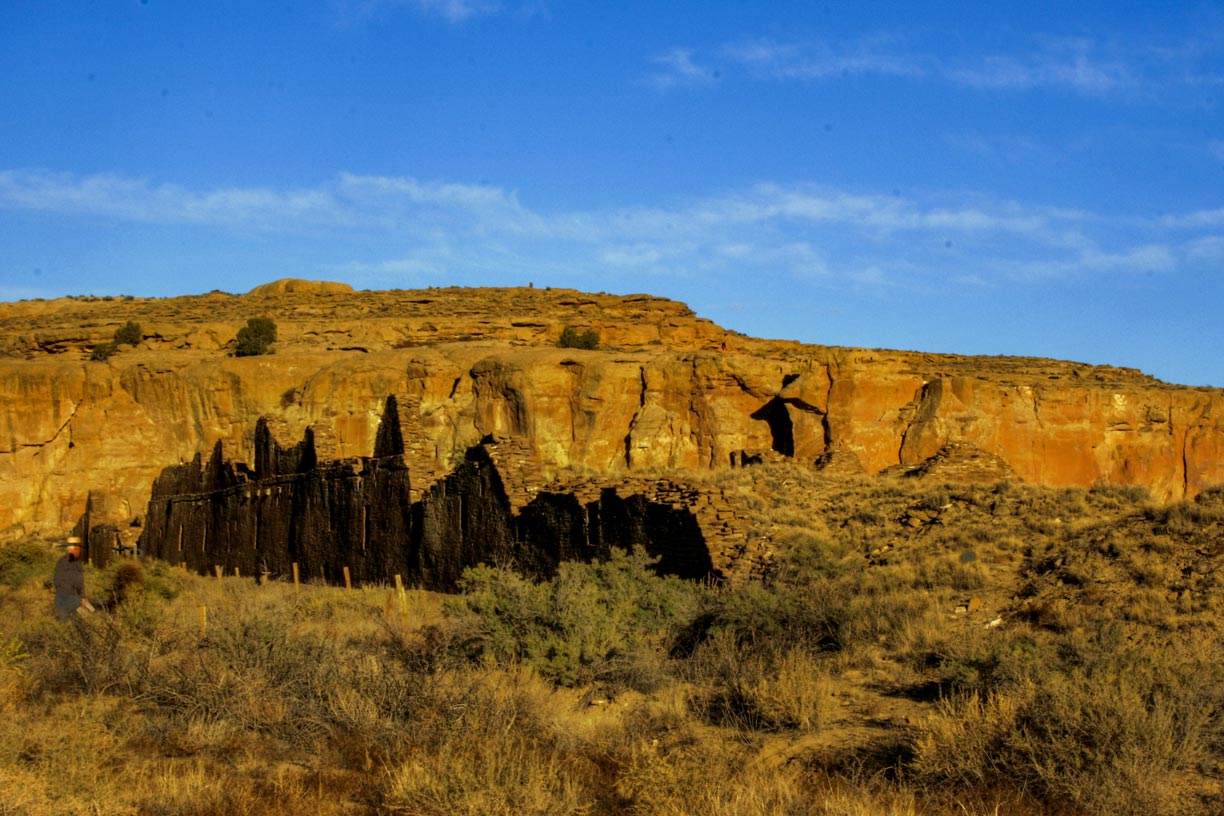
x: 777, y: 416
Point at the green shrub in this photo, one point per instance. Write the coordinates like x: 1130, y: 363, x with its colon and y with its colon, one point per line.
x: 812, y: 616
x: 808, y: 558
x: 570, y: 338
x: 129, y: 334
x: 610, y: 621
x: 1113, y: 736
x: 24, y: 561
x: 103, y: 351
x: 255, y: 338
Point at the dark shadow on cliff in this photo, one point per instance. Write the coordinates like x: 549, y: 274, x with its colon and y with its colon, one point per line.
x: 357, y: 513
x: 781, y: 428
x: 558, y: 528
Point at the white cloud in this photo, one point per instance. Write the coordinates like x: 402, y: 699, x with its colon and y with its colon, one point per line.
x: 1206, y: 250
x: 134, y: 199
x: 676, y: 66
x: 818, y: 60
x: 801, y: 258
x: 1199, y: 219
x: 638, y: 255
x: 802, y: 231
x: 455, y: 11
x: 1071, y: 64
x: 468, y: 196
x: 1145, y: 258
x: 870, y: 276
x: 878, y: 212
x: 374, y: 202
x: 1091, y: 260
x: 734, y: 250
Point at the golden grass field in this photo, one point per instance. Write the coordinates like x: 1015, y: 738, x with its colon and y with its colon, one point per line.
x: 917, y: 648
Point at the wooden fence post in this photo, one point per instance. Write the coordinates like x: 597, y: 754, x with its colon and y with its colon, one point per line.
x: 295, y: 576
x: 217, y: 568
x: 348, y: 582
x: 403, y: 599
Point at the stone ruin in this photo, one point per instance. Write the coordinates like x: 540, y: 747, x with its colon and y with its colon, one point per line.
x: 296, y: 505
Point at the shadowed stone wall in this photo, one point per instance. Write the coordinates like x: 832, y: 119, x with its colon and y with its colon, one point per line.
x: 358, y: 513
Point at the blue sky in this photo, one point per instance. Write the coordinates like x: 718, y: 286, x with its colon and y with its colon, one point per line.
x: 1045, y: 179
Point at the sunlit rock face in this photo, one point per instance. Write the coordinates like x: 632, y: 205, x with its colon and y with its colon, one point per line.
x: 666, y: 392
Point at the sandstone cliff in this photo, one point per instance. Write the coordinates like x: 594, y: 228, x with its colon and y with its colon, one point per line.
x: 666, y: 390
x: 356, y: 517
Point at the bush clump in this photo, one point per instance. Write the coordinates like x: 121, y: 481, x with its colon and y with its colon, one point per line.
x: 129, y: 334
x: 25, y: 560
x: 1113, y: 736
x: 608, y: 622
x: 256, y: 337
x: 572, y: 338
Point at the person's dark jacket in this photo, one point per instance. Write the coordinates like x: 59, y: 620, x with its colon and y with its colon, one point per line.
x: 69, y: 586
x: 70, y: 577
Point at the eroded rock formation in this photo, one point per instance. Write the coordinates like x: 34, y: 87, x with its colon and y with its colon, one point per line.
x: 666, y: 392
x: 358, y: 515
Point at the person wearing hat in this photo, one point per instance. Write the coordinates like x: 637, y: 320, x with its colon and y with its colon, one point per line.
x: 69, y: 581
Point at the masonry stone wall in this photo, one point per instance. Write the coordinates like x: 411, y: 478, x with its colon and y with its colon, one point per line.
x: 364, y: 514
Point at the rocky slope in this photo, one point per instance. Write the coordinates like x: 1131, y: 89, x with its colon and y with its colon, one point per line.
x: 666, y: 391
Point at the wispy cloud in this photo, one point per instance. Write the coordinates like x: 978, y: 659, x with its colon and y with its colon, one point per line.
x: 1143, y: 258
x: 455, y: 11
x: 373, y: 202
x: 675, y: 67
x: 135, y: 199
x: 1096, y: 262
x: 1198, y: 219
x: 803, y: 231
x: 814, y: 60
x: 1207, y: 250
x: 1076, y: 65
x: 1009, y: 148
x: 1070, y: 64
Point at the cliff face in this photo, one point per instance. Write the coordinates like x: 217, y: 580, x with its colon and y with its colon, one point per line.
x: 666, y: 390
x: 357, y: 515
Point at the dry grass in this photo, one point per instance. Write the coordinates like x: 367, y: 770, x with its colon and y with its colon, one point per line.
x: 916, y: 650
x: 1101, y: 741
x: 761, y: 689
